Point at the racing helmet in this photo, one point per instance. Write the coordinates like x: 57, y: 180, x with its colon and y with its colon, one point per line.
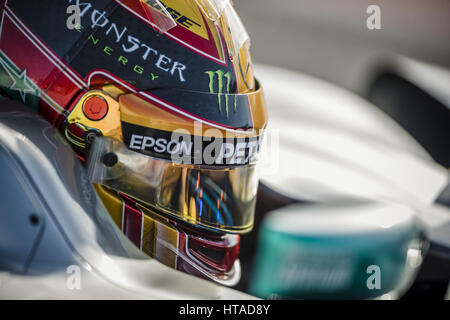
x: 159, y: 99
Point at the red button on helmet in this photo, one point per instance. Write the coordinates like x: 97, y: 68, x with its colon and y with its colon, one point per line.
x: 95, y: 108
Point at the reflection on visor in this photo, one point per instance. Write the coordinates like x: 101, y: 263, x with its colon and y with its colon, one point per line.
x: 213, y: 9
x: 157, y: 12
x: 216, y: 9
x: 159, y: 16
x: 220, y: 199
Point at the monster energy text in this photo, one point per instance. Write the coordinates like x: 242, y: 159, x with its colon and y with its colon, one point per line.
x: 129, y: 43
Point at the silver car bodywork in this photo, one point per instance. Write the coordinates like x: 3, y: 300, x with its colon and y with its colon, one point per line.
x: 57, y: 240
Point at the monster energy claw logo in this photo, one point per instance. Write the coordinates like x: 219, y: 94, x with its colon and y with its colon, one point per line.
x: 221, y: 76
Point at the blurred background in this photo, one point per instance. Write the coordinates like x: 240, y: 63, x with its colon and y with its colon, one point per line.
x: 334, y: 88
x: 329, y: 39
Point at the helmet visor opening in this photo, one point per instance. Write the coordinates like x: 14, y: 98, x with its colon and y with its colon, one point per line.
x: 217, y: 198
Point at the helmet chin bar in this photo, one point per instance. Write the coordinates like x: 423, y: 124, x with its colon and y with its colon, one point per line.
x: 193, y: 257
x: 211, y: 256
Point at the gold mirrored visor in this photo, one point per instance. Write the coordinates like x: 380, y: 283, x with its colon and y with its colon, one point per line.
x: 219, y: 198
